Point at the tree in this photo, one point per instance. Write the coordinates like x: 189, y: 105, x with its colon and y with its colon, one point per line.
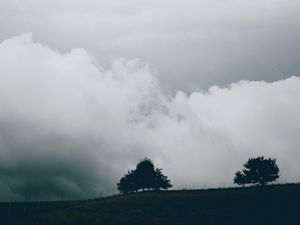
x: 239, y: 178
x: 161, y: 181
x: 145, y: 174
x: 257, y: 171
x: 144, y: 177
x: 127, y: 182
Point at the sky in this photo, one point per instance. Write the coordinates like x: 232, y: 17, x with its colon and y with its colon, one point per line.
x: 88, y: 88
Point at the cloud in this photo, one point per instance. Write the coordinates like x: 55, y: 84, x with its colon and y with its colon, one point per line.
x: 194, y: 44
x: 69, y: 126
x: 220, y: 129
x: 61, y: 116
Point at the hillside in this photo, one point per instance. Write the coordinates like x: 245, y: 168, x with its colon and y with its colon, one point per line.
x: 276, y: 204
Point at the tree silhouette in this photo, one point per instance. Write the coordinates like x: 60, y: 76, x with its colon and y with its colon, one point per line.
x: 144, y: 177
x: 161, y: 181
x: 127, y: 182
x: 257, y: 171
x: 145, y: 174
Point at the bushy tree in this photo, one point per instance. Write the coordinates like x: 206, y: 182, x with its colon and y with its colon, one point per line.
x: 240, y: 178
x: 161, y: 181
x: 145, y: 174
x: 127, y: 182
x: 144, y: 177
x: 257, y: 170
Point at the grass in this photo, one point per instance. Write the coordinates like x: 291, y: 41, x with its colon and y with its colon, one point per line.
x: 275, y: 204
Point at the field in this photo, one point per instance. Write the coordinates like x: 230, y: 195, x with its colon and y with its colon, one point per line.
x: 275, y: 204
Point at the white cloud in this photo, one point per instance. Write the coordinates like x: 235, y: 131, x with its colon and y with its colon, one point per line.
x: 225, y: 126
x: 68, y: 125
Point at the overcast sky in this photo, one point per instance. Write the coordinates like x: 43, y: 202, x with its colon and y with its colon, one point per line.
x: 193, y: 44
x: 87, y: 88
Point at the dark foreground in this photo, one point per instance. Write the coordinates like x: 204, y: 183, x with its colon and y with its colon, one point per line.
x: 276, y: 204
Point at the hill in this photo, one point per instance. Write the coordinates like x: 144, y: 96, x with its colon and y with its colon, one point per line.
x: 275, y: 204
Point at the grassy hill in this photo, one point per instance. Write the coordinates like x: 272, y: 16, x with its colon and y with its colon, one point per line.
x: 276, y: 204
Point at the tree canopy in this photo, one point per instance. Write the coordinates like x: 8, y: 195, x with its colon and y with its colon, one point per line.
x: 257, y: 170
x: 144, y: 177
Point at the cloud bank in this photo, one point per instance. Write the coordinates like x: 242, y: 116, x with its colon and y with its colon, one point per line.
x: 69, y: 126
